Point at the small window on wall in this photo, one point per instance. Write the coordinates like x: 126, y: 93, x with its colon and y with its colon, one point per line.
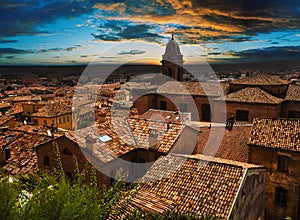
x: 242, y: 115
x: 163, y: 105
x: 35, y: 121
x: 281, y: 196
x: 60, y: 121
x: 46, y: 161
x: 169, y: 72
x: 183, y: 107
x: 283, y: 163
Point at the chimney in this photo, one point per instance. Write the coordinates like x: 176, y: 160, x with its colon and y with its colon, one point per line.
x: 153, y: 139
x: 133, y: 113
x: 90, y: 144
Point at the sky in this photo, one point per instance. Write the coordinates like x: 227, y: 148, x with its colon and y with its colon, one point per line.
x: 75, y: 32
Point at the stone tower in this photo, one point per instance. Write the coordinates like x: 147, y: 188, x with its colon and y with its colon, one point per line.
x: 172, y: 61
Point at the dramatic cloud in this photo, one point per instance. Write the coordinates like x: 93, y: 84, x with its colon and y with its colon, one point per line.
x: 13, y: 51
x: 132, y: 52
x: 5, y: 41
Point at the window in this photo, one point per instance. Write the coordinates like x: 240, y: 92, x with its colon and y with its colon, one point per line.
x: 46, y: 161
x: 35, y: 121
x: 169, y: 72
x: 294, y: 114
x: 52, y: 123
x: 163, y: 105
x: 7, y: 153
x: 68, y: 119
x: 281, y: 196
x: 283, y: 163
x: 183, y: 107
x: 64, y: 119
x: 45, y: 122
x: 242, y: 115
x: 60, y: 121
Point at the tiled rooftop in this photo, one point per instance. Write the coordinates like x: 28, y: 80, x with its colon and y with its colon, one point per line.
x: 261, y: 79
x: 233, y: 145
x: 8, y: 137
x: 167, y: 133
x: 105, y: 151
x: 4, y: 105
x: 193, y: 88
x: 53, y: 109
x: 276, y: 133
x: 193, y: 184
x: 293, y: 92
x: 5, y: 118
x: 252, y: 95
x: 167, y: 116
x: 23, y: 153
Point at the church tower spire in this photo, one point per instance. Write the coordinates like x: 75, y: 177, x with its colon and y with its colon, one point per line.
x: 172, y: 61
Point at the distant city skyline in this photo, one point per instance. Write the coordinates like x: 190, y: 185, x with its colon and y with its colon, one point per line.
x: 75, y: 32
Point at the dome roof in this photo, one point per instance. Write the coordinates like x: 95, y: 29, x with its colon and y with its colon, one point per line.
x: 172, y: 47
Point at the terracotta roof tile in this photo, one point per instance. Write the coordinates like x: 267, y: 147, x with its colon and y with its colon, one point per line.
x: 193, y: 88
x: 276, y: 133
x: 53, y: 109
x: 252, y: 95
x: 5, y: 118
x: 23, y: 153
x: 8, y: 137
x: 5, y: 105
x: 261, y: 79
x: 195, y: 184
x: 167, y: 116
x: 233, y: 145
x: 293, y: 92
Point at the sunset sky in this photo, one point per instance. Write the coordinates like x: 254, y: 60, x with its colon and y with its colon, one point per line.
x: 38, y: 32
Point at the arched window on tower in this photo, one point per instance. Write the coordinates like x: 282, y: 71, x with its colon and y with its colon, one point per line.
x: 169, y: 72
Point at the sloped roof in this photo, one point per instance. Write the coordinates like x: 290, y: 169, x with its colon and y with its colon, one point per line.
x: 23, y: 153
x: 53, y: 110
x: 276, y: 133
x: 167, y: 116
x: 196, y: 184
x: 167, y: 133
x: 293, y: 92
x: 252, y: 95
x: 261, y: 79
x: 193, y: 88
x: 5, y: 118
x: 233, y: 145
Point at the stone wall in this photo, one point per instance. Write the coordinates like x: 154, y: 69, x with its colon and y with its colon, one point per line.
x: 288, y: 180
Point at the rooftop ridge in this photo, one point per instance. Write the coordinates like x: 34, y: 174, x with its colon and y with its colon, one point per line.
x: 219, y: 160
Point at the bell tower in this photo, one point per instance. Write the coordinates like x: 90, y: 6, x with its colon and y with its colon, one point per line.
x: 172, y: 61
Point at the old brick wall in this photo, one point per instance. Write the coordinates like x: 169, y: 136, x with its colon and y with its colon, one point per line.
x: 68, y: 162
x: 287, y: 106
x: 289, y: 180
x: 255, y: 110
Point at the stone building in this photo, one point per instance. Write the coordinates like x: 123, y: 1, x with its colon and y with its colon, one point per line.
x: 291, y: 103
x: 172, y: 61
x: 275, y: 144
x: 198, y: 184
x: 248, y: 103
